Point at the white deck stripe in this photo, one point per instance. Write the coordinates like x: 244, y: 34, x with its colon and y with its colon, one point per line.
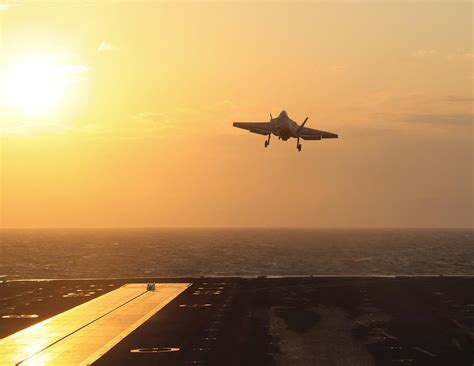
x: 82, y: 334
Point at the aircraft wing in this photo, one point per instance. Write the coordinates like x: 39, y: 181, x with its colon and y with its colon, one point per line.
x: 262, y: 128
x: 312, y: 134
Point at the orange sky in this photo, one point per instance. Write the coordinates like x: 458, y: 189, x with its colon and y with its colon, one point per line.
x: 141, y: 131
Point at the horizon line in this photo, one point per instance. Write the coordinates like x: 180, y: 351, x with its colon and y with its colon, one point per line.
x: 238, y: 228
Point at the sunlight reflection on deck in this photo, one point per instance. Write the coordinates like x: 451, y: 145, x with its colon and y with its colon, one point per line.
x: 86, y: 332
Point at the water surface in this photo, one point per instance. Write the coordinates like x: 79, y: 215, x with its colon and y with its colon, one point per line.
x: 233, y: 252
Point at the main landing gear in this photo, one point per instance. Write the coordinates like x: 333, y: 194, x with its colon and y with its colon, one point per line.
x: 267, y: 141
x: 298, y: 145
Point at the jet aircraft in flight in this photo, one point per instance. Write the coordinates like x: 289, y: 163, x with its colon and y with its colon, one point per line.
x: 284, y: 127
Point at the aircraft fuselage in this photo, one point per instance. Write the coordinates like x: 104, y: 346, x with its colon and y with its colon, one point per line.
x: 284, y: 126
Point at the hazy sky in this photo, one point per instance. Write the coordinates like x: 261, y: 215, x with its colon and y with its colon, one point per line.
x: 128, y: 122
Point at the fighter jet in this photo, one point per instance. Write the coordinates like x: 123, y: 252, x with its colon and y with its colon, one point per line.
x: 284, y: 127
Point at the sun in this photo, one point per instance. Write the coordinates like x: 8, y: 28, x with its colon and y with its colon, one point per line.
x: 35, y: 85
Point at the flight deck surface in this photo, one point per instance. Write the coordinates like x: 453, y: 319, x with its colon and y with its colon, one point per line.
x: 392, y: 320
x: 81, y: 335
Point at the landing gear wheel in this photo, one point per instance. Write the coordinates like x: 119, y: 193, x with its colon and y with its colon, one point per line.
x: 298, y: 147
x: 266, y: 143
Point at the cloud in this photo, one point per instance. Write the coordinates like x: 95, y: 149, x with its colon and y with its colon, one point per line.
x: 143, y: 125
x: 5, y: 7
x: 455, y: 98
x: 74, y: 74
x: 434, y: 118
x: 105, y: 47
x: 151, y: 122
x: 75, y: 69
x: 440, y: 124
x: 16, y: 127
x: 78, y: 5
x: 461, y: 53
x: 67, y: 55
x: 147, y: 116
x: 338, y: 68
x: 425, y: 52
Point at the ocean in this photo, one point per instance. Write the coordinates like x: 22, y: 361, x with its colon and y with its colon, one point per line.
x: 111, y: 253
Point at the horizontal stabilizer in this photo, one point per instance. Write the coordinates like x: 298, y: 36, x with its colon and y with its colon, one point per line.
x: 259, y: 131
x: 261, y: 128
x: 310, y: 137
x: 313, y: 134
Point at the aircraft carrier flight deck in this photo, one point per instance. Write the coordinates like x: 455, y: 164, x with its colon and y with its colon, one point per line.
x: 238, y: 321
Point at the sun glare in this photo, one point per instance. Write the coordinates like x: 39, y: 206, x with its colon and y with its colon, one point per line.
x: 34, y: 86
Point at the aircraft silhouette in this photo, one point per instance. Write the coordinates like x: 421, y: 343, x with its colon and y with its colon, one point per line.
x: 284, y: 127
